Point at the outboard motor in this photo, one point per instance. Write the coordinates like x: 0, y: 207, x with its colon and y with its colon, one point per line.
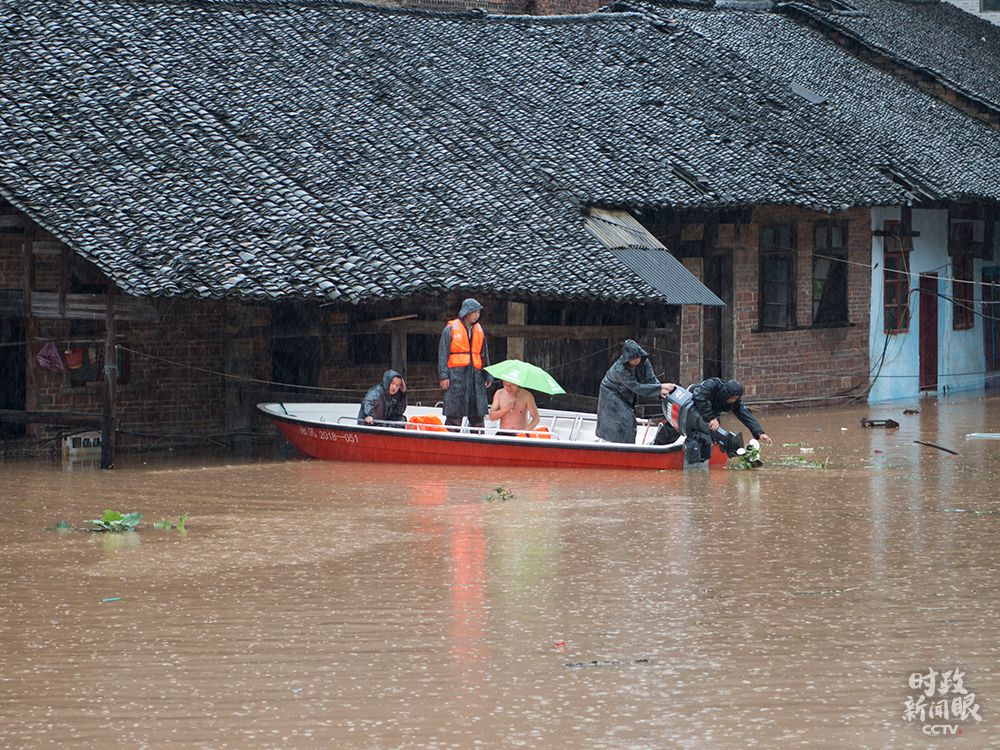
x: 681, y: 414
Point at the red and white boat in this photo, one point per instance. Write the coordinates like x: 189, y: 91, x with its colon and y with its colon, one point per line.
x: 564, y: 439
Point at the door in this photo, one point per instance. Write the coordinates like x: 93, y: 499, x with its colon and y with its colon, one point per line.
x: 12, y: 373
x: 991, y: 323
x: 928, y: 331
x: 718, y: 321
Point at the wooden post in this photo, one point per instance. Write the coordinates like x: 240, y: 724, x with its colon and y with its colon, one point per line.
x: 63, y: 279
x: 110, y: 383
x: 29, y: 267
x: 517, y: 314
x: 398, y: 357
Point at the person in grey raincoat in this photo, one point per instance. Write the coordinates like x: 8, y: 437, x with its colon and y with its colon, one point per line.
x: 462, y: 355
x: 385, y: 401
x: 630, y: 377
x: 712, y: 398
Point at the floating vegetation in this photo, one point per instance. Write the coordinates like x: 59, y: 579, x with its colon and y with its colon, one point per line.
x: 800, y: 462
x: 603, y: 663
x: 499, y: 493
x: 749, y: 457
x: 114, y: 522
x: 61, y: 526
x: 166, y: 523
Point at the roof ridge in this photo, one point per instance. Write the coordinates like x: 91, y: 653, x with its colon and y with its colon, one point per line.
x: 361, y: 5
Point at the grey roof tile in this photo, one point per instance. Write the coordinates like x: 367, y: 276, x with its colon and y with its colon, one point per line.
x: 335, y: 151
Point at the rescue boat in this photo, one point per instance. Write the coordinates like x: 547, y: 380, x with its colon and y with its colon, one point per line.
x: 563, y: 439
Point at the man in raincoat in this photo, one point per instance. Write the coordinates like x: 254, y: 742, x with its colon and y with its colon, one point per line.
x: 630, y: 377
x: 462, y: 355
x: 713, y: 398
x: 385, y: 401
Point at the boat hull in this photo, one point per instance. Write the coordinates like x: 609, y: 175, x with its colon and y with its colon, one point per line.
x: 387, y: 445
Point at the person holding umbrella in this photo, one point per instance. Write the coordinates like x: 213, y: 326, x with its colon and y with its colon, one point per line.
x: 515, y: 408
x: 514, y: 405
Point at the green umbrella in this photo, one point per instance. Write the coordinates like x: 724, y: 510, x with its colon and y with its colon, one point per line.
x: 525, y: 375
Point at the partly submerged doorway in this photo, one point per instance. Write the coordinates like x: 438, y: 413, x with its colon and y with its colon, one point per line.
x: 991, y: 324
x: 928, y: 331
x: 12, y: 373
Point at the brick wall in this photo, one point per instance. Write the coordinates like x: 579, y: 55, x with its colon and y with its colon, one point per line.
x: 806, y: 362
x: 691, y: 332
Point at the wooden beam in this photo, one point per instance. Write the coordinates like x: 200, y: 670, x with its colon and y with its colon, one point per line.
x: 503, y: 330
x: 66, y: 418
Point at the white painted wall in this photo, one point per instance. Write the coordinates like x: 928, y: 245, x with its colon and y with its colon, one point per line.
x: 973, y: 6
x: 895, y: 359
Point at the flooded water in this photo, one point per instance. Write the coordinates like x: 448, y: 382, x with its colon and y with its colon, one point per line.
x: 311, y: 604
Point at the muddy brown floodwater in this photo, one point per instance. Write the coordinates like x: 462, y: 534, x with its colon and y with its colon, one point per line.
x: 325, y: 605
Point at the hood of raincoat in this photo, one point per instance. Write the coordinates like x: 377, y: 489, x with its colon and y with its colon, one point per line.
x: 731, y: 388
x: 631, y: 349
x: 387, y: 377
x: 468, y: 306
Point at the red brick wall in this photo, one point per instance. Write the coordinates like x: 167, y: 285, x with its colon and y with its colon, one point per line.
x: 691, y: 332
x: 807, y: 362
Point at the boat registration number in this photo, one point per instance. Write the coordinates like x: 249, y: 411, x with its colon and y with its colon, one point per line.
x: 346, y: 437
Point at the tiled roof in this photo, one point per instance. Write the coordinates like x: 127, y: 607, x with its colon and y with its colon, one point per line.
x: 316, y: 148
x: 933, y: 37
x: 867, y: 127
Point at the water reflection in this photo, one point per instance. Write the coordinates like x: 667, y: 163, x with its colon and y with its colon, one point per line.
x: 329, y: 605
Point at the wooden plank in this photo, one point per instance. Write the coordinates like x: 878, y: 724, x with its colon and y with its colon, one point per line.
x: 47, y: 247
x: 13, y: 221
x: 91, y: 307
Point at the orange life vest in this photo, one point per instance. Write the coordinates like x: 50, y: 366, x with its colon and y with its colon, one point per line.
x: 461, y: 352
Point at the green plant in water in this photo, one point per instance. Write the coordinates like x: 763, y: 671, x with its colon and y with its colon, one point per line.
x: 61, y: 526
x: 116, y: 522
x: 166, y: 523
x: 499, y: 493
x: 749, y: 457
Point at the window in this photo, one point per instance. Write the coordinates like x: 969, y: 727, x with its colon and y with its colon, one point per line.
x: 896, y: 278
x: 830, y: 275
x: 777, y: 277
x: 965, y: 242
x: 989, y: 6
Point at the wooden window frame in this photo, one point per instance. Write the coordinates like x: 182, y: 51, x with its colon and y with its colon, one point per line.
x: 775, y: 252
x: 964, y: 248
x: 896, y: 246
x: 841, y: 254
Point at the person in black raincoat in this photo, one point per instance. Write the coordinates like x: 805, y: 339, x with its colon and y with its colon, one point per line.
x: 712, y: 398
x: 385, y: 402
x: 462, y: 355
x: 630, y: 377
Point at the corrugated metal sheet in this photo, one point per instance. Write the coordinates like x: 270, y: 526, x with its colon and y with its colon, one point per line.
x: 633, y: 245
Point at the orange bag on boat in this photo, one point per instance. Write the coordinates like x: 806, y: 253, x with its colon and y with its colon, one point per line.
x: 429, y: 422
x: 539, y: 432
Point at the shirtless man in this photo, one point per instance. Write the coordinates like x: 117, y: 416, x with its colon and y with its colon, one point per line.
x: 515, y: 408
